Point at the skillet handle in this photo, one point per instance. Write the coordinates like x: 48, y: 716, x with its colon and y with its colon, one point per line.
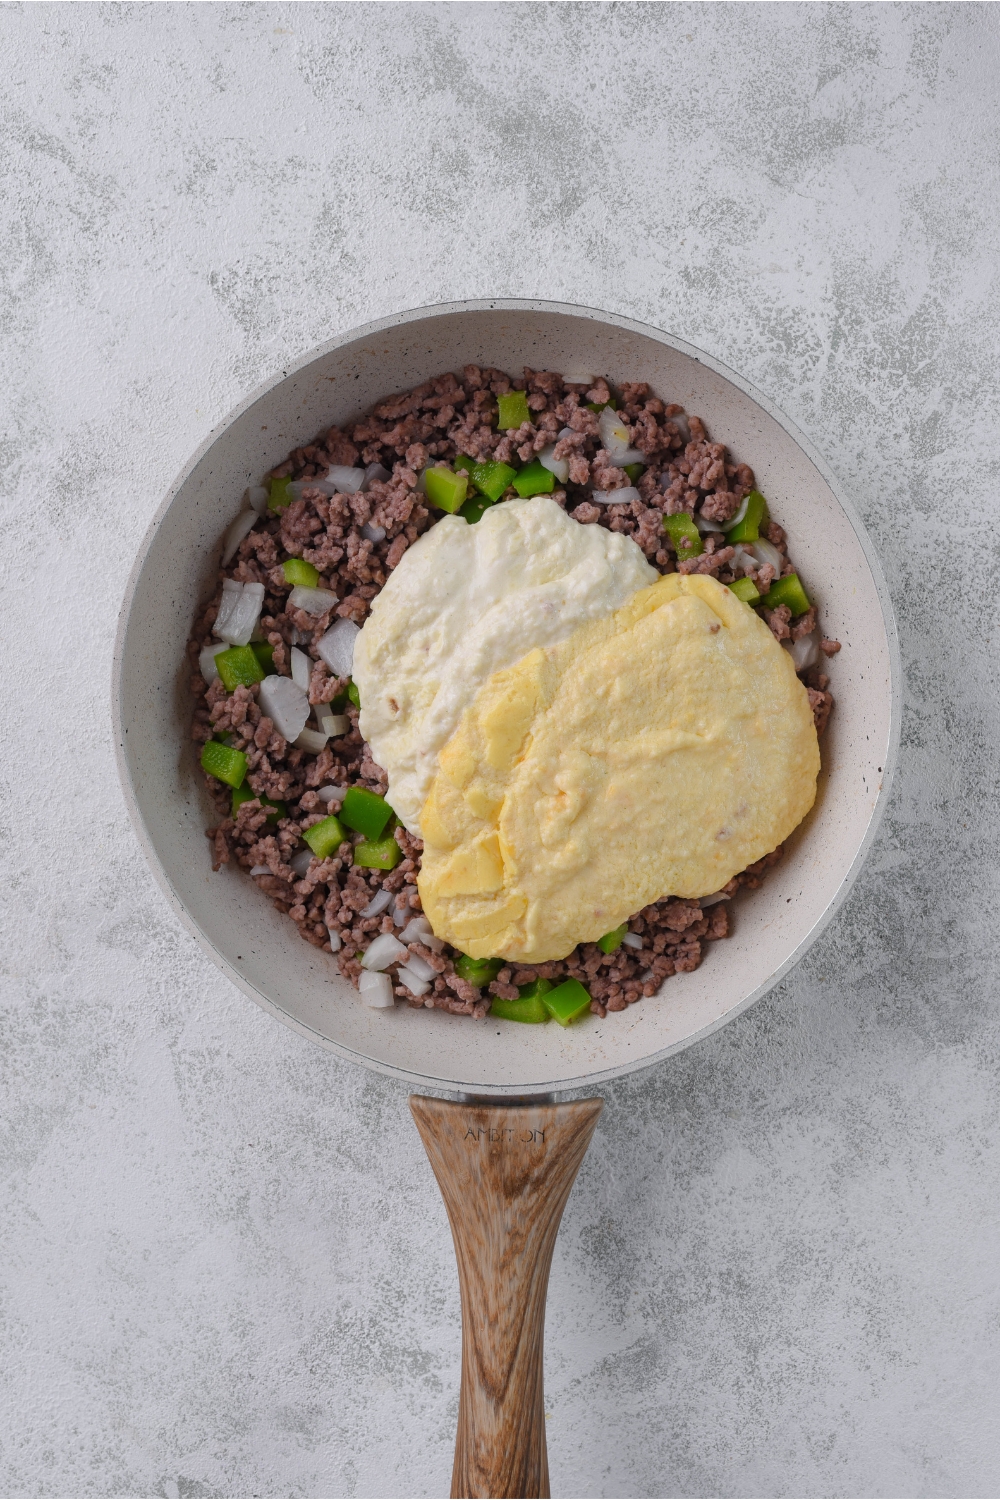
x: 505, y: 1172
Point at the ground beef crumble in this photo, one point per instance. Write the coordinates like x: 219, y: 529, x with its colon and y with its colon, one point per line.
x: 355, y: 541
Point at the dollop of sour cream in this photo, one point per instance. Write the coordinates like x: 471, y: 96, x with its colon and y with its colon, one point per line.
x: 466, y: 602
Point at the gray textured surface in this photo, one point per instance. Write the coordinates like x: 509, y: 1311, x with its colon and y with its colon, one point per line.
x: 224, y: 1269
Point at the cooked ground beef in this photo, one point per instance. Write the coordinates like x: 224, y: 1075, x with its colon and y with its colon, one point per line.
x: 355, y: 541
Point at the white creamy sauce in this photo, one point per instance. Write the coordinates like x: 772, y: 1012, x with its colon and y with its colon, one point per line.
x: 468, y: 601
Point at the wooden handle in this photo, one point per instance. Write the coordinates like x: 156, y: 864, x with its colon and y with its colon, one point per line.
x: 505, y: 1172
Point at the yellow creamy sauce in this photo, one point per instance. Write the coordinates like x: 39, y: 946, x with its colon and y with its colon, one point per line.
x: 657, y: 751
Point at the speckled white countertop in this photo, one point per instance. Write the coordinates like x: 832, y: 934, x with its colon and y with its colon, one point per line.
x: 224, y: 1266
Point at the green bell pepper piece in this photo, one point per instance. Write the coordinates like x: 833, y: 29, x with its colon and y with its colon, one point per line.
x: 224, y: 763
x: 612, y: 941
x: 239, y: 667
x: 477, y: 971
x: 366, y: 812
x: 353, y: 694
x: 325, y: 838
x: 473, y: 510
x: 635, y: 471
x: 746, y: 589
x: 567, y: 1001
x: 598, y: 406
x: 684, y: 534
x: 446, y: 489
x: 787, y: 590
x: 378, y: 854
x: 513, y: 408
x: 535, y: 479
x: 489, y: 478
x: 298, y: 571
x: 280, y: 499
x: 748, y: 530
x: 264, y: 653
x: 527, y: 1007
x: 243, y: 794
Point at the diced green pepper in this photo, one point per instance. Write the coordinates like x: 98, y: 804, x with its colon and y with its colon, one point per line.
x: 244, y: 793
x: 527, y: 1007
x: 635, y: 471
x: 535, y: 479
x: 748, y: 530
x: 684, y: 534
x: 239, y: 667
x: 298, y: 571
x: 612, y: 941
x: 366, y: 812
x: 446, y: 489
x: 474, y: 510
x: 380, y: 854
x: 746, y: 589
x: 325, y: 838
x: 478, y: 971
x: 353, y: 694
x: 787, y: 590
x: 279, y: 499
x: 567, y: 1001
x: 490, y: 478
x: 224, y: 763
x: 264, y: 653
x: 600, y: 405
x: 513, y: 409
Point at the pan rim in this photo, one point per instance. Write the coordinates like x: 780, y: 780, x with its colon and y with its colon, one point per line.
x: 614, y: 320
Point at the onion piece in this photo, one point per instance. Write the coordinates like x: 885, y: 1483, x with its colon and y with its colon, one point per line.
x: 704, y: 525
x: 261, y: 870
x: 373, y: 533
x: 704, y: 901
x: 300, y: 862
x: 767, y: 552
x: 401, y: 914
x: 334, y: 725
x: 336, y: 647
x: 378, y: 903
x: 632, y: 940
x: 313, y: 601
x: 804, y: 652
x: 740, y: 514
x: 339, y: 480
x: 376, y: 990
x: 623, y: 496
x: 385, y: 950
x: 375, y: 474
x: 576, y: 379
x: 332, y: 793
x: 301, y: 668
x: 557, y: 466
x: 239, y: 611
x: 333, y: 937
x: 206, y: 660
x: 743, y: 559
x: 285, y: 704
x: 412, y: 980
x: 419, y: 930
x: 616, y: 441
x: 241, y: 527
x: 421, y: 968
x: 257, y: 497
x: 312, y: 740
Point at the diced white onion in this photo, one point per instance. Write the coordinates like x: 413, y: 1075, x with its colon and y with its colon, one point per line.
x: 336, y: 647
x: 373, y: 533
x: 378, y: 903
x: 740, y: 514
x: 623, y: 496
x: 285, y: 704
x: 766, y: 552
x: 332, y: 793
x: 375, y: 474
x: 312, y: 740
x: 557, y: 466
x: 401, y: 912
x: 313, y: 601
x: 704, y: 901
x: 301, y: 861
x: 412, y: 980
x: 301, y: 668
x: 704, y: 525
x: 632, y: 940
x: 340, y: 480
x: 241, y: 527
x: 261, y: 870
x: 376, y: 990
x: 804, y: 652
x: 334, y: 725
x: 419, y: 930
x: 206, y: 660
x: 742, y: 559
x: 421, y: 968
x: 295, y: 637
x: 615, y: 438
x: 257, y: 498
x: 575, y: 378
x: 385, y: 950
x: 239, y: 611
x: 334, y: 940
